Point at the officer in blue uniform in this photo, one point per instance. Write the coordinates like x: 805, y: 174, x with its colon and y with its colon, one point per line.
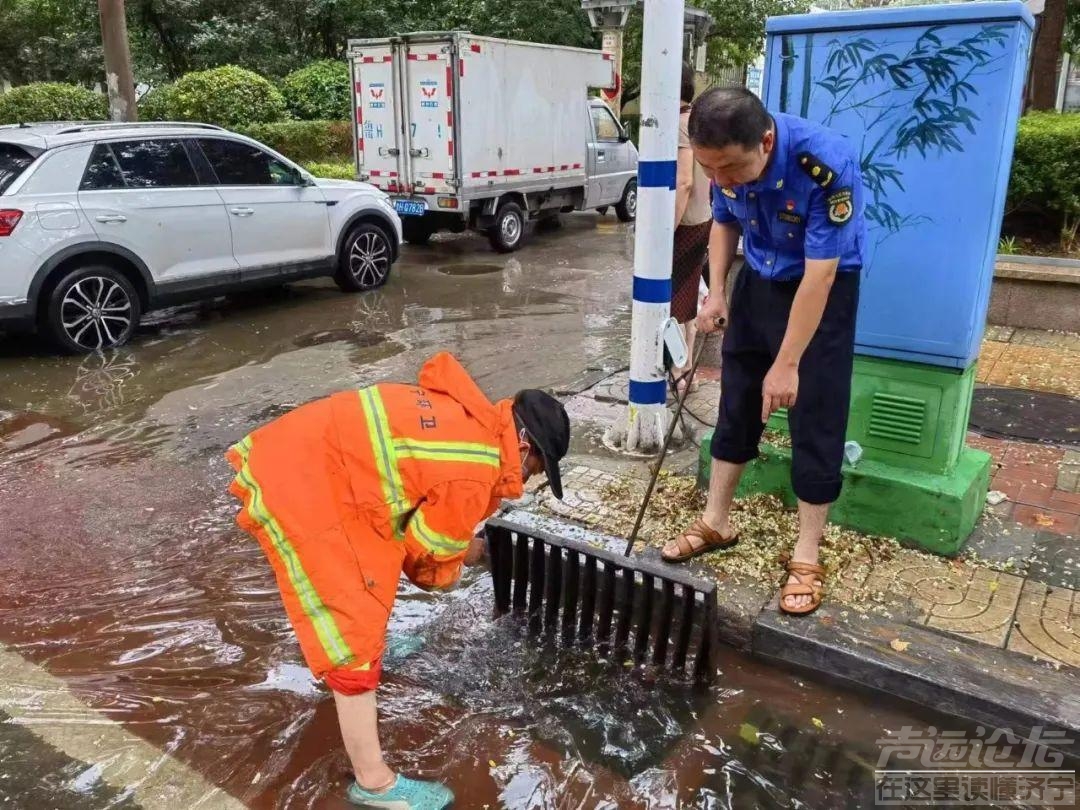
x: 793, y: 190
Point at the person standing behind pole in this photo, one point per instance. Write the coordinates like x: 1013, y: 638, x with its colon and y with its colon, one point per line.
x: 794, y: 190
x: 693, y: 218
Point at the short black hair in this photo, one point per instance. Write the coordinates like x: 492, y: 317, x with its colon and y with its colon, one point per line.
x: 686, y: 90
x: 728, y: 115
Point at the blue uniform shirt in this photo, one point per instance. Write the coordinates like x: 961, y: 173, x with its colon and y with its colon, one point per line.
x: 807, y: 205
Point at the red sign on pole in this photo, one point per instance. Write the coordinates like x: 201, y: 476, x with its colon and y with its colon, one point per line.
x: 612, y: 93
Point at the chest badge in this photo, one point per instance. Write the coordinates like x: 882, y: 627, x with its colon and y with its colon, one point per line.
x: 840, y: 207
x: 790, y: 205
x: 727, y: 192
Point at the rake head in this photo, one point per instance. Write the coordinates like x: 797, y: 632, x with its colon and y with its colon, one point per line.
x: 636, y: 610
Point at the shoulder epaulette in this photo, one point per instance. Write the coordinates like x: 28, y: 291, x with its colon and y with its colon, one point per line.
x: 818, y: 171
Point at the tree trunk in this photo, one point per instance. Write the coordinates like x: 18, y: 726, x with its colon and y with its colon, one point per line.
x: 1045, y: 56
x: 118, y: 78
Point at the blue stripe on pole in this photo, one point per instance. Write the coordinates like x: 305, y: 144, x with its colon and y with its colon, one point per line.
x: 652, y: 290
x: 657, y: 174
x: 648, y: 393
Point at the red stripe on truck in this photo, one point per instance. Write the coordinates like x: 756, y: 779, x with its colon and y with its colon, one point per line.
x: 474, y: 48
x: 358, y: 88
x: 577, y: 165
x: 449, y: 82
x: 461, y: 68
x: 512, y: 172
x: 413, y: 57
x: 438, y: 176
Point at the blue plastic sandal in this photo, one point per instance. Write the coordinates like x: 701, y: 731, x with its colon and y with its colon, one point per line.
x: 406, y: 794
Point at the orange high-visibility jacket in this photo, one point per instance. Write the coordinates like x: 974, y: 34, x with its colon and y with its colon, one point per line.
x: 346, y: 492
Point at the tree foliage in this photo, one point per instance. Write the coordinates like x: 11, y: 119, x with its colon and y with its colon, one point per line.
x: 228, y: 96
x: 736, y: 38
x: 59, y: 40
x: 320, y: 91
x: 51, y: 102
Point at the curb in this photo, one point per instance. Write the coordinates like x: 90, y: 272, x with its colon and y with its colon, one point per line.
x: 996, y: 688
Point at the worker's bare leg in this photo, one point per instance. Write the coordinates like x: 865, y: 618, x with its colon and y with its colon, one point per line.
x: 723, y: 479
x: 359, y: 721
x: 812, y: 519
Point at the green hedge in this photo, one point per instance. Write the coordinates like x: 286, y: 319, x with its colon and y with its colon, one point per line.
x: 52, y: 102
x: 227, y: 96
x: 319, y: 91
x: 1046, y: 171
x: 305, y: 141
x: 333, y: 171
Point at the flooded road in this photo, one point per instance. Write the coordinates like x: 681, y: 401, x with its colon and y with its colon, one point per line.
x: 126, y: 578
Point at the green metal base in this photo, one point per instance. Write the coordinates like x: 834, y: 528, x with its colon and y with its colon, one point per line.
x: 916, y: 479
x: 936, y: 512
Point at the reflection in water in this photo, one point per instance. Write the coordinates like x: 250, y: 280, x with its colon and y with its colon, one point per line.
x: 100, y: 378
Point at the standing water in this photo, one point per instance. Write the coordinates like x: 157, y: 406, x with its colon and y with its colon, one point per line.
x: 126, y: 578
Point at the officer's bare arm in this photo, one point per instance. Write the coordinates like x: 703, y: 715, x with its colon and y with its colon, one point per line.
x: 723, y: 242
x: 806, y: 309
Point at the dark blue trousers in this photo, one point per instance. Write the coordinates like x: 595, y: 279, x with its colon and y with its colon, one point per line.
x: 818, y: 420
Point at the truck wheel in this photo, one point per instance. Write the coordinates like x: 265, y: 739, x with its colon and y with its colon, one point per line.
x: 416, y: 230
x: 626, y: 210
x: 365, y: 260
x: 508, y: 232
x: 92, y: 308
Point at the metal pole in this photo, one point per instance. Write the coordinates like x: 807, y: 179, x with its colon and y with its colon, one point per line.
x: 661, y: 70
x: 118, y: 78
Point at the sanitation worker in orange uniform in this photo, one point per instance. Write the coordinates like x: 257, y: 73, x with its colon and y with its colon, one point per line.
x: 346, y: 493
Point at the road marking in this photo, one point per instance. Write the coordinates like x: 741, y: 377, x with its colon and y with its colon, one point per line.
x: 44, y: 705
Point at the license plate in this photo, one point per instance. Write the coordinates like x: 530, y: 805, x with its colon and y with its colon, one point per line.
x: 410, y: 208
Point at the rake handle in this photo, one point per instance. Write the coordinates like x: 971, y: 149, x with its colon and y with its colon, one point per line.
x: 667, y: 440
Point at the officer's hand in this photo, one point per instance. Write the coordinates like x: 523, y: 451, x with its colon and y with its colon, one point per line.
x: 713, y: 314
x: 779, y: 390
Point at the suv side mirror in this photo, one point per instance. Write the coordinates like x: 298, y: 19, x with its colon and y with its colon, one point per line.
x: 623, y: 137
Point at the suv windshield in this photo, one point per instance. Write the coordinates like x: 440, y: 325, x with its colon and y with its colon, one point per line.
x: 13, y: 161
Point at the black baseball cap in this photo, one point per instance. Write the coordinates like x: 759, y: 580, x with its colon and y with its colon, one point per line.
x: 548, y: 427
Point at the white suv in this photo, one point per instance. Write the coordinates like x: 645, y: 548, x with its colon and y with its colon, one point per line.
x: 102, y: 222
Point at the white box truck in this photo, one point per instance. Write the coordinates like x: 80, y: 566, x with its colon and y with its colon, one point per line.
x: 472, y: 132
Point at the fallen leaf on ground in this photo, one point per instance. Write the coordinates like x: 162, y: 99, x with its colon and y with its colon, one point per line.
x: 1044, y: 520
x: 898, y: 645
x: 817, y: 722
x: 491, y: 762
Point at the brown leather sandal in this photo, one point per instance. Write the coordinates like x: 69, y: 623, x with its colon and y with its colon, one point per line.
x: 711, y: 540
x: 810, y: 581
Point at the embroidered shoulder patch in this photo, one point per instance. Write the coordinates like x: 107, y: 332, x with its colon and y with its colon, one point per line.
x: 840, y: 206
x: 820, y: 172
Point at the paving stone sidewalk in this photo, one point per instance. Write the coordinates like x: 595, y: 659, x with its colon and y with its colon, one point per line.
x: 1016, y: 586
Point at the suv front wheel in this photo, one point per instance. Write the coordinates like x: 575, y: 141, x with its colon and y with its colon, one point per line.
x: 92, y: 308
x: 365, y: 260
